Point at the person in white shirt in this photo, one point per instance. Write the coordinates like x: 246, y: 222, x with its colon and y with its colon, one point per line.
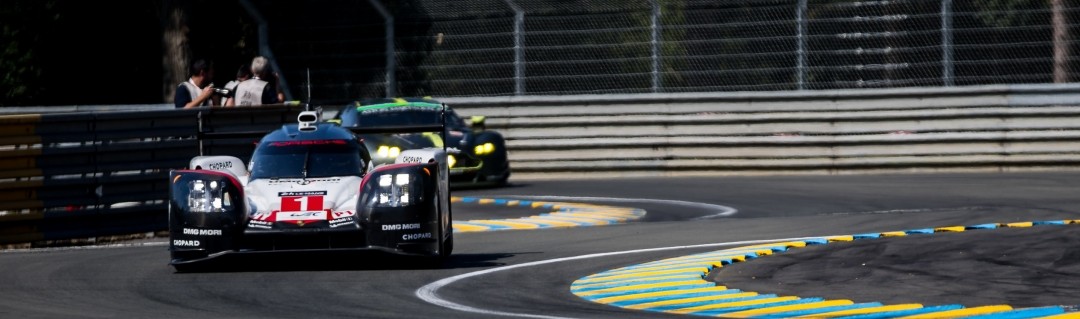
x: 257, y: 90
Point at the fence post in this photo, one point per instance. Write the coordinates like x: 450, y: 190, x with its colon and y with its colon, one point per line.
x: 800, y: 50
x: 946, y: 43
x: 519, y: 47
x: 391, y: 53
x: 656, y: 81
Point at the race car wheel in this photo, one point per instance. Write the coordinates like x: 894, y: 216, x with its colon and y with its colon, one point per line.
x: 496, y: 167
x: 500, y: 179
x: 447, y: 247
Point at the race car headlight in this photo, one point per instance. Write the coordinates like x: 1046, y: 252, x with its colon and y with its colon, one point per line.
x: 394, y: 190
x: 385, y: 151
x: 206, y: 196
x: 484, y: 149
x: 451, y: 160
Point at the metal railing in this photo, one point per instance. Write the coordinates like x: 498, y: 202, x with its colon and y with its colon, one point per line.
x: 70, y: 175
x: 88, y: 174
x: 987, y: 128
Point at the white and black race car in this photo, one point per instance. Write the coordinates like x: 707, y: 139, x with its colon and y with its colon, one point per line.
x: 311, y: 186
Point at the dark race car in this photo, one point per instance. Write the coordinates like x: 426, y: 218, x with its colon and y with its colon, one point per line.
x: 312, y: 186
x: 476, y: 156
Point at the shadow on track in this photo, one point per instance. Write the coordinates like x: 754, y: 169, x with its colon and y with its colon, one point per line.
x: 338, y: 261
x: 485, y: 186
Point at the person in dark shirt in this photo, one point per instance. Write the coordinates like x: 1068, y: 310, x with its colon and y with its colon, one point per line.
x: 198, y: 90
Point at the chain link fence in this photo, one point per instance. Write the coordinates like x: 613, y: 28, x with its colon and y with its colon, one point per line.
x: 561, y: 47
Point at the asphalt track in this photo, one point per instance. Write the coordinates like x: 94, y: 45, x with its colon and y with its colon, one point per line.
x: 135, y: 281
x: 972, y: 268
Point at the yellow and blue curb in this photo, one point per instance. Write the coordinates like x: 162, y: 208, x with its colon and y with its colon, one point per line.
x: 560, y: 214
x: 678, y: 286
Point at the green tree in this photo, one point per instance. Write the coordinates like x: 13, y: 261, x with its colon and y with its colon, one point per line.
x: 177, y: 52
x: 22, y: 23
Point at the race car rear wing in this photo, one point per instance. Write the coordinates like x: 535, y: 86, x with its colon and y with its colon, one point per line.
x: 309, y: 118
x: 397, y: 129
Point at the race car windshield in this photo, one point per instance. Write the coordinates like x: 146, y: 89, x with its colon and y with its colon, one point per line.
x: 306, y: 159
x: 397, y: 116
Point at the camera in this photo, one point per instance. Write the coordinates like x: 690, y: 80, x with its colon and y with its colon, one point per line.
x: 222, y: 92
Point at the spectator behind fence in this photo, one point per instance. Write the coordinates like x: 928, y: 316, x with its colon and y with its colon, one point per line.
x: 257, y: 90
x: 242, y: 74
x: 198, y: 90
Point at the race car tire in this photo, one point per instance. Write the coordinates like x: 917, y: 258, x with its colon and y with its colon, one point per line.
x: 500, y: 179
x: 496, y: 165
x: 447, y: 247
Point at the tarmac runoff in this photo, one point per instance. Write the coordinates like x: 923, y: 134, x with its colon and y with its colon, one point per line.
x: 679, y: 286
x: 559, y: 214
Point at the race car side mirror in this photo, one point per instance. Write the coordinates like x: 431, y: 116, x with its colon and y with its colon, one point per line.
x: 478, y: 123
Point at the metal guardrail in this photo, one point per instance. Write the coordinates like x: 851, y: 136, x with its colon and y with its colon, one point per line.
x: 76, y: 175
x: 79, y: 175
x: 997, y: 128
x: 17, y: 110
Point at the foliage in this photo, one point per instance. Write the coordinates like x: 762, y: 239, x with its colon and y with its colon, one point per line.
x: 22, y: 23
